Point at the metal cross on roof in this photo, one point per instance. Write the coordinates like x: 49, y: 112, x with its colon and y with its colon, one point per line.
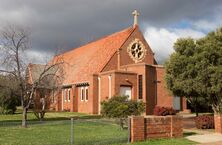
x: 135, y: 13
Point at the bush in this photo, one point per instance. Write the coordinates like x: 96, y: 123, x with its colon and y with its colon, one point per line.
x: 205, y: 122
x: 8, y: 102
x: 120, y: 107
x: 163, y: 111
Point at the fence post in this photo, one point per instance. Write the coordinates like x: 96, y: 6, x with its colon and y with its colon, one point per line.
x: 129, y: 129
x: 72, y: 132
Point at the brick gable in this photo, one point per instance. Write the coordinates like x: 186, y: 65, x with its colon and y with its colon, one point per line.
x: 124, y: 56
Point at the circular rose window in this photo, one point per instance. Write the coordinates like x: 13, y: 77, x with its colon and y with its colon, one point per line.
x: 136, y: 50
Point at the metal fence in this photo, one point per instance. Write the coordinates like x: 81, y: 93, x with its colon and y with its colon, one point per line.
x: 64, y: 132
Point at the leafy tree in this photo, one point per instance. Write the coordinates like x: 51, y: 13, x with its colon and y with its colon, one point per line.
x: 209, y: 66
x: 120, y: 107
x: 194, y: 70
x: 181, y: 73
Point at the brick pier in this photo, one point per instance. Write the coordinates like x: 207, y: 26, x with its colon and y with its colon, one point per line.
x: 148, y: 127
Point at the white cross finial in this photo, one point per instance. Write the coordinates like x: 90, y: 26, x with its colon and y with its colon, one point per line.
x: 135, y: 13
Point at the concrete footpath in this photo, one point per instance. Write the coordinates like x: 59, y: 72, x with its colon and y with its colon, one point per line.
x: 202, y: 137
x: 207, y: 139
x: 212, y: 143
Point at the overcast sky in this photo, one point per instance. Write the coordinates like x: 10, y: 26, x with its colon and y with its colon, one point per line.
x: 66, y: 24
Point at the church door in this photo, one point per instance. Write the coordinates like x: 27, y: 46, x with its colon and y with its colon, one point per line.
x: 126, y: 91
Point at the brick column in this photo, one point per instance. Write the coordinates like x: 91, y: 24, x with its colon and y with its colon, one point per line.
x: 137, y: 128
x: 176, y: 126
x: 218, y: 123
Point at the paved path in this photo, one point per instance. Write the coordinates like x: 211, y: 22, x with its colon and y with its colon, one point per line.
x: 212, y: 143
x: 206, y: 138
x: 203, y: 137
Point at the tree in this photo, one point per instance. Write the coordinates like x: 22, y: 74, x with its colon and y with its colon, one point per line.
x: 14, y: 40
x: 48, y: 79
x: 209, y: 66
x: 181, y: 73
x: 194, y: 70
x: 120, y: 107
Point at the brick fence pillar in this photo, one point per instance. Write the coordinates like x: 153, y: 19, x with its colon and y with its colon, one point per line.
x: 137, y: 128
x: 176, y: 126
x: 218, y: 123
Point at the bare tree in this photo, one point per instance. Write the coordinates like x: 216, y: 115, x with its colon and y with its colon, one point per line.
x: 48, y: 84
x: 14, y: 40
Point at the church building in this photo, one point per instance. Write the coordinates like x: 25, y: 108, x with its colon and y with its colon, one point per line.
x: 118, y: 64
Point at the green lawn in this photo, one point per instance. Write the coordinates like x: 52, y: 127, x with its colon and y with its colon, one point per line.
x: 86, y: 132
x: 178, y: 141
x: 48, y: 116
x: 56, y: 131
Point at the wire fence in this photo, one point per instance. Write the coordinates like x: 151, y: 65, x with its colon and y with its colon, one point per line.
x: 64, y: 132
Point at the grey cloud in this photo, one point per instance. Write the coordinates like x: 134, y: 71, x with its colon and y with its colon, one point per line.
x: 71, y: 23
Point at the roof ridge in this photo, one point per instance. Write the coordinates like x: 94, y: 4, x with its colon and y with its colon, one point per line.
x: 99, y: 39
x: 134, y: 28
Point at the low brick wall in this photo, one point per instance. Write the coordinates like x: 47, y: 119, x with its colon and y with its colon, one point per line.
x: 148, y: 127
x: 218, y: 123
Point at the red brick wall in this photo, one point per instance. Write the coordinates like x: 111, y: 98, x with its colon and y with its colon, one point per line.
x: 86, y: 106
x: 218, y: 123
x: 58, y: 99
x: 118, y: 78
x: 124, y: 56
x: 140, y: 70
x: 126, y: 79
x: 137, y: 132
x: 164, y: 98
x: 155, y: 127
x: 95, y: 90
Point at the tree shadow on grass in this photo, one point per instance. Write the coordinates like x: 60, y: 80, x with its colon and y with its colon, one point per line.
x: 6, y: 123
x: 185, y: 134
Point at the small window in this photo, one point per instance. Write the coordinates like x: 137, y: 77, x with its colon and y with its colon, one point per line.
x: 86, y: 93
x: 82, y: 94
x: 64, y: 95
x: 69, y: 94
x: 140, y: 83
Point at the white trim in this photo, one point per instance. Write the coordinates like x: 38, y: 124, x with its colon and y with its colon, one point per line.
x: 99, y: 95
x: 86, y: 88
x: 69, y: 95
x: 65, y: 96
x: 110, y: 87
x: 82, y: 97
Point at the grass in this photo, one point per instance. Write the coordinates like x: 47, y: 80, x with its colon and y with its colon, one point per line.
x: 56, y: 131
x: 49, y: 116
x: 86, y: 132
x: 173, y: 141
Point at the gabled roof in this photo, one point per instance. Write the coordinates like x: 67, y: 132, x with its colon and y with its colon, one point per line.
x: 47, y: 74
x: 80, y: 63
x: 34, y: 71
